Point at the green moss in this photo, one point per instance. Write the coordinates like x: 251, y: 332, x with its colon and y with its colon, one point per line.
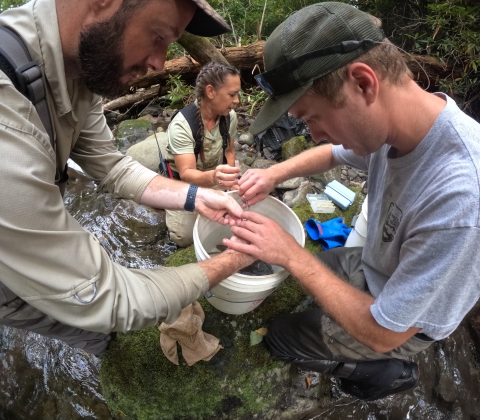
x: 293, y: 147
x: 139, y: 381
x: 181, y: 257
x: 240, y: 381
x: 134, y: 125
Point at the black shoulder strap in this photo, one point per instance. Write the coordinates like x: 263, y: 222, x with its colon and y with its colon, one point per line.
x: 190, y: 114
x: 25, y: 74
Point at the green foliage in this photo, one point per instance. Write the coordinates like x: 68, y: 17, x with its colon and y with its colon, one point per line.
x: 178, y: 91
x: 454, y: 37
x: 245, y: 17
x: 448, y: 30
x: 8, y: 4
x: 253, y: 99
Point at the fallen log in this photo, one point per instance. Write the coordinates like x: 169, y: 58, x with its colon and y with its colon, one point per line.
x: 427, y: 72
x: 244, y: 58
x: 134, y: 98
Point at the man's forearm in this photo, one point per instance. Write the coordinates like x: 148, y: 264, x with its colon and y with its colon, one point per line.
x: 348, y: 306
x: 223, y: 265
x: 165, y: 193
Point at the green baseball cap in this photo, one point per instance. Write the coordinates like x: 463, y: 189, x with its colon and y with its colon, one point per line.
x: 311, y: 43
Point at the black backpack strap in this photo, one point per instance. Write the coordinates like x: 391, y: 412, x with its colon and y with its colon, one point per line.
x: 190, y: 114
x: 16, y: 62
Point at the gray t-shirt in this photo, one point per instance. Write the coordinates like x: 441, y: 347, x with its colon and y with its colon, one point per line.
x: 422, y: 253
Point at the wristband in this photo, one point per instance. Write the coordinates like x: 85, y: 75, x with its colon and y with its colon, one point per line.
x: 190, y: 201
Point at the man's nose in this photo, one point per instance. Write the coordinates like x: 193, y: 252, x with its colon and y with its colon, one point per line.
x: 156, y: 62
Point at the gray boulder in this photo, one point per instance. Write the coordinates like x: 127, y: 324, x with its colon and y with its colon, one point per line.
x: 290, y: 198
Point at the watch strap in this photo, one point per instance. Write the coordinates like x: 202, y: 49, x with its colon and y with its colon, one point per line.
x: 190, y: 201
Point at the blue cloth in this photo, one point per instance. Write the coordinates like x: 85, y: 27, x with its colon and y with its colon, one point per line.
x: 331, y: 234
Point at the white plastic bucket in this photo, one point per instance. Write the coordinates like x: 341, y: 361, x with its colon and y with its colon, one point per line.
x: 359, y: 232
x: 240, y: 293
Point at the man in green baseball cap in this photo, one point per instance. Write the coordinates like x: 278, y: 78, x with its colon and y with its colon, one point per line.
x: 413, y: 282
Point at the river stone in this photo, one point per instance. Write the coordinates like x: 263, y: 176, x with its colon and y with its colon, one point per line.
x: 291, y: 184
x: 134, y: 130
x: 326, y: 177
x: 246, y: 138
x: 146, y: 152
x: 263, y: 164
x: 291, y: 198
x: 237, y: 146
x: 293, y: 147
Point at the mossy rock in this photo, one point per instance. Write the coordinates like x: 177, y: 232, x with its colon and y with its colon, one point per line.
x: 240, y: 382
x: 293, y: 147
x: 132, y: 131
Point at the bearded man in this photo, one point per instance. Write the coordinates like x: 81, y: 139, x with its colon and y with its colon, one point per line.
x: 55, y: 278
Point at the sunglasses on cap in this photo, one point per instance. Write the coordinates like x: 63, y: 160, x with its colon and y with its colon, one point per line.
x: 273, y: 82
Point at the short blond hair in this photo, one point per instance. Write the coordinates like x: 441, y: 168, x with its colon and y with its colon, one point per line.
x: 385, y: 59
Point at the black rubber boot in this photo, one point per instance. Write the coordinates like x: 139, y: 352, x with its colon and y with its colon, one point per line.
x: 369, y: 392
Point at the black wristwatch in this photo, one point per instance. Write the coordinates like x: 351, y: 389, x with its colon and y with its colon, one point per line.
x: 190, y: 201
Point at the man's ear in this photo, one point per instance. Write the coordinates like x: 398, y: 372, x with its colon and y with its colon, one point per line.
x: 364, y: 81
x: 210, y: 91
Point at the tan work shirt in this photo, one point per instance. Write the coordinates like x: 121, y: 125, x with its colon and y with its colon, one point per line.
x: 46, y: 257
x: 180, y: 141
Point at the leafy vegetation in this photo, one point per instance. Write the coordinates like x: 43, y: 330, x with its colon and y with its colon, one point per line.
x: 448, y: 30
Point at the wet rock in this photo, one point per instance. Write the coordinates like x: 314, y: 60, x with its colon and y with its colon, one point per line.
x: 237, y: 146
x: 325, y: 178
x: 248, y: 161
x: 146, y: 151
x: 246, y: 138
x: 263, y: 163
x: 122, y: 144
x: 241, y: 121
x: 293, y: 147
x: 318, y: 186
x: 133, y: 130
x: 247, y: 157
x: 291, y: 198
x: 352, y: 173
x: 291, y: 184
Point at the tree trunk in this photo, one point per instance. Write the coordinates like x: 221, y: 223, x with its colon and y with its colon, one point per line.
x: 201, y: 49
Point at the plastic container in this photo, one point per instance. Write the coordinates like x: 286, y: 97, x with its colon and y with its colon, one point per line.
x: 359, y: 232
x: 320, y: 203
x: 240, y: 293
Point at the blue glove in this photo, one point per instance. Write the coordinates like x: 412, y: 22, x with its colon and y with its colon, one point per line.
x: 331, y: 234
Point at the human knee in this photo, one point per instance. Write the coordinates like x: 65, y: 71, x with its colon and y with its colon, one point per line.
x: 181, y: 239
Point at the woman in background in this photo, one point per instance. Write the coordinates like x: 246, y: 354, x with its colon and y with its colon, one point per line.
x: 216, y: 91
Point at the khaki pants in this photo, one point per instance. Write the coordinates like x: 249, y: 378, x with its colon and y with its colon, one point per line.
x: 15, y: 312
x: 312, y: 340
x: 180, y: 226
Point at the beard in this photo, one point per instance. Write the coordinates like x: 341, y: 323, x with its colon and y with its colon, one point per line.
x: 101, y: 57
